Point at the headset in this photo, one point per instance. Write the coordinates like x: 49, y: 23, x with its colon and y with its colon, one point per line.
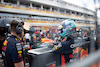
x: 19, y: 29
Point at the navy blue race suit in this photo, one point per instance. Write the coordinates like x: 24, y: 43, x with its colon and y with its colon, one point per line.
x: 64, y: 50
x: 12, y: 51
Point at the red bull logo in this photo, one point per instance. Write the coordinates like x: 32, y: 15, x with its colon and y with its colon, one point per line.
x: 20, y: 55
x: 22, y: 43
x: 72, y: 56
x: 84, y: 53
x: 4, y: 48
x: 77, y: 50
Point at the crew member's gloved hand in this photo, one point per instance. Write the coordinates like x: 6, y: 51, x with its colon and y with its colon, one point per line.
x: 54, y: 44
x: 57, y: 47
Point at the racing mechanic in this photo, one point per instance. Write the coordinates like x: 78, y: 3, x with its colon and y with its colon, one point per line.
x: 67, y: 34
x: 12, y: 49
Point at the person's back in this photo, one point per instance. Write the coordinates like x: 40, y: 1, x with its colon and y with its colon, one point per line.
x: 12, y: 50
x: 9, y: 50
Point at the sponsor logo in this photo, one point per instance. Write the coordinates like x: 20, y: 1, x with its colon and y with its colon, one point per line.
x: 19, y: 52
x: 4, y: 48
x: 84, y: 53
x: 16, y: 39
x: 72, y: 56
x: 52, y: 64
x: 78, y: 44
x: 77, y: 50
x: 5, y: 42
x: 18, y: 46
x: 20, y: 55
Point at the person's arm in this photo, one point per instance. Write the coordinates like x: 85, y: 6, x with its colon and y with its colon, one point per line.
x: 62, y: 47
x: 83, y: 35
x: 58, y: 49
x: 86, y: 34
x: 19, y: 64
x: 17, y: 55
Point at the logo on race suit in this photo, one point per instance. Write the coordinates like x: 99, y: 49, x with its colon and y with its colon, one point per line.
x: 22, y: 43
x: 74, y: 56
x: 77, y: 50
x: 52, y: 64
x: 19, y: 52
x: 4, y: 48
x: 5, y: 42
x: 78, y: 44
x: 16, y: 39
x: 20, y: 55
x: 18, y: 46
x: 84, y: 53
